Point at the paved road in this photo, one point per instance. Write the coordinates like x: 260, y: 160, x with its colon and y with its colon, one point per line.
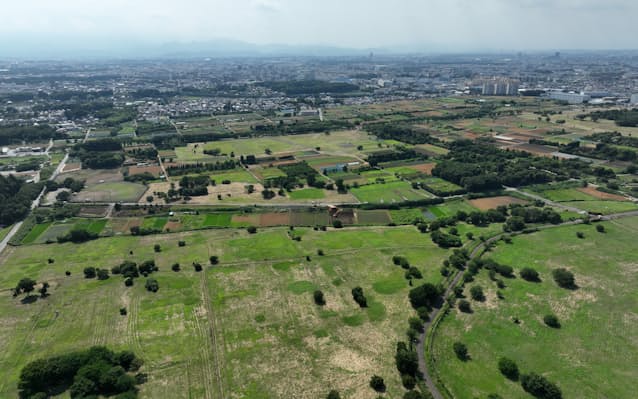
x: 34, y: 204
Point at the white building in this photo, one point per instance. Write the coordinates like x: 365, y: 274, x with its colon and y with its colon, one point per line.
x: 571, y: 98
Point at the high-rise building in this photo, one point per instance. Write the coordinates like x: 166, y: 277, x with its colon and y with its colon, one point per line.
x: 500, y: 87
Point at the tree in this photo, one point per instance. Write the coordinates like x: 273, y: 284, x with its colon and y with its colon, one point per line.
x: 63, y: 196
x: 600, y: 228
x: 25, y: 285
x: 425, y: 295
x: 181, y: 243
x: 333, y: 395
x: 406, y: 360
x: 551, y: 321
x: 157, y: 248
x: 508, y: 368
x: 214, y: 259
x: 197, y: 266
x: 89, y: 272
x: 357, y: 295
x: 460, y: 350
x: 476, y: 292
x: 580, y: 234
x: 175, y: 267
x: 464, y: 306
x: 529, y: 274
x: 43, y: 289
x: 337, y: 224
x: 408, y: 381
x: 151, y: 285
x: 251, y: 229
x: 540, y: 387
x: 564, y: 278
x: 416, y: 324
x: 319, y: 298
x: 377, y: 383
x: 102, y: 274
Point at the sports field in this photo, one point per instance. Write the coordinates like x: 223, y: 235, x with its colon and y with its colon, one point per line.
x: 594, y: 352
x: 201, y: 333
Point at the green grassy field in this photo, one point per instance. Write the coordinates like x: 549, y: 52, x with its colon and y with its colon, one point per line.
x: 237, y: 175
x: 450, y: 208
x: 592, y: 355
x: 253, y: 313
x: 392, y: 192
x: 406, y: 215
x: 604, y: 207
x: 4, y: 231
x: 112, y: 192
x: 306, y: 193
x: 35, y: 232
x: 566, y: 194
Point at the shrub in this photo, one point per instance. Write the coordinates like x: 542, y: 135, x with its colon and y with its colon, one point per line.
x: 89, y: 272
x: 460, y: 350
x: 408, y: 381
x: 539, y: 387
x: 181, y: 243
x: 464, y: 306
x: 357, y: 295
x: 157, y: 248
x: 416, y: 324
x: 551, y: 321
x: 476, y: 292
x: 251, y: 229
x: 600, y: 228
x: 337, y: 224
x: 175, y: 267
x: 580, y: 234
x: 377, y: 383
x: 413, y: 272
x: 151, y: 285
x: 564, y: 278
x: 508, y: 368
x: 123, y: 311
x: 424, y: 313
x: 102, y: 274
x: 320, y: 252
x: 529, y: 274
x: 197, y: 266
x: 67, y: 273
x: 425, y: 295
x: 319, y: 298
x: 406, y: 360
x: 214, y: 260
x: 333, y: 395
x: 128, y: 282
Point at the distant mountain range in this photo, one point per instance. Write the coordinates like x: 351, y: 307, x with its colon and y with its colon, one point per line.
x: 74, y: 48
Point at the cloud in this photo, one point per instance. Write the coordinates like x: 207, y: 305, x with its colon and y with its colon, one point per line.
x: 266, y: 6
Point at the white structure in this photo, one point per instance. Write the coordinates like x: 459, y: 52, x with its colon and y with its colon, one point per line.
x: 634, y: 99
x: 500, y: 87
x: 571, y: 98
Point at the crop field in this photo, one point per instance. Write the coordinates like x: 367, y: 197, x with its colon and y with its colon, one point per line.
x: 35, y: 232
x: 439, y: 185
x: 592, y: 355
x: 406, y: 215
x: 450, y: 208
x: 200, y: 334
x: 154, y: 223
x: 567, y: 194
x: 373, y: 217
x: 373, y: 176
x: 388, y: 193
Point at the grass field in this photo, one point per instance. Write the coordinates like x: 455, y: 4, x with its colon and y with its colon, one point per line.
x: 254, y: 313
x: 406, y: 215
x: 604, y: 207
x: 566, y: 194
x: 450, y: 208
x: 592, y: 355
x: 35, y: 232
x: 392, y: 192
x: 236, y: 175
x: 4, y: 231
x: 306, y: 193
x: 112, y: 192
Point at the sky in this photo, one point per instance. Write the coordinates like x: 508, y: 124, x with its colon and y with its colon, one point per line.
x: 423, y: 25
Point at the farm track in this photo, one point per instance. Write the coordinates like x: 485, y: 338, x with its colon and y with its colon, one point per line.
x: 212, y: 347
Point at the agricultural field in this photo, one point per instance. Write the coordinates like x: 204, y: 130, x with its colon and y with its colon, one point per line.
x: 200, y: 333
x: 592, y: 354
x: 603, y: 207
x: 487, y: 203
x: 389, y: 193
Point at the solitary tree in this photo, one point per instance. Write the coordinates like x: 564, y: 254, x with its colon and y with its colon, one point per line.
x: 529, y: 274
x: 464, y: 306
x: 319, y: 298
x: 564, y: 278
x: 540, y: 387
x: 377, y: 383
x: 460, y: 350
x: 551, y: 321
x: 333, y: 395
x: 25, y: 285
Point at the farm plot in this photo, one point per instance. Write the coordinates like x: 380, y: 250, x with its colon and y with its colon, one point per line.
x: 306, y: 194
x: 373, y: 217
x: 593, y: 353
x: 111, y: 192
x: 604, y: 207
x: 388, y: 193
x: 493, y: 202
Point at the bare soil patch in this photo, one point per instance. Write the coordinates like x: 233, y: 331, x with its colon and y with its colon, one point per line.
x: 274, y: 219
x: 424, y: 167
x: 155, y: 170
x: 493, y: 202
x: 601, y: 195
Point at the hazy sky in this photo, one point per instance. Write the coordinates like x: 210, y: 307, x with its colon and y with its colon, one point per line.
x: 435, y: 24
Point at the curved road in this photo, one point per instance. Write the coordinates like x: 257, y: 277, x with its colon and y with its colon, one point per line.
x: 477, y: 252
